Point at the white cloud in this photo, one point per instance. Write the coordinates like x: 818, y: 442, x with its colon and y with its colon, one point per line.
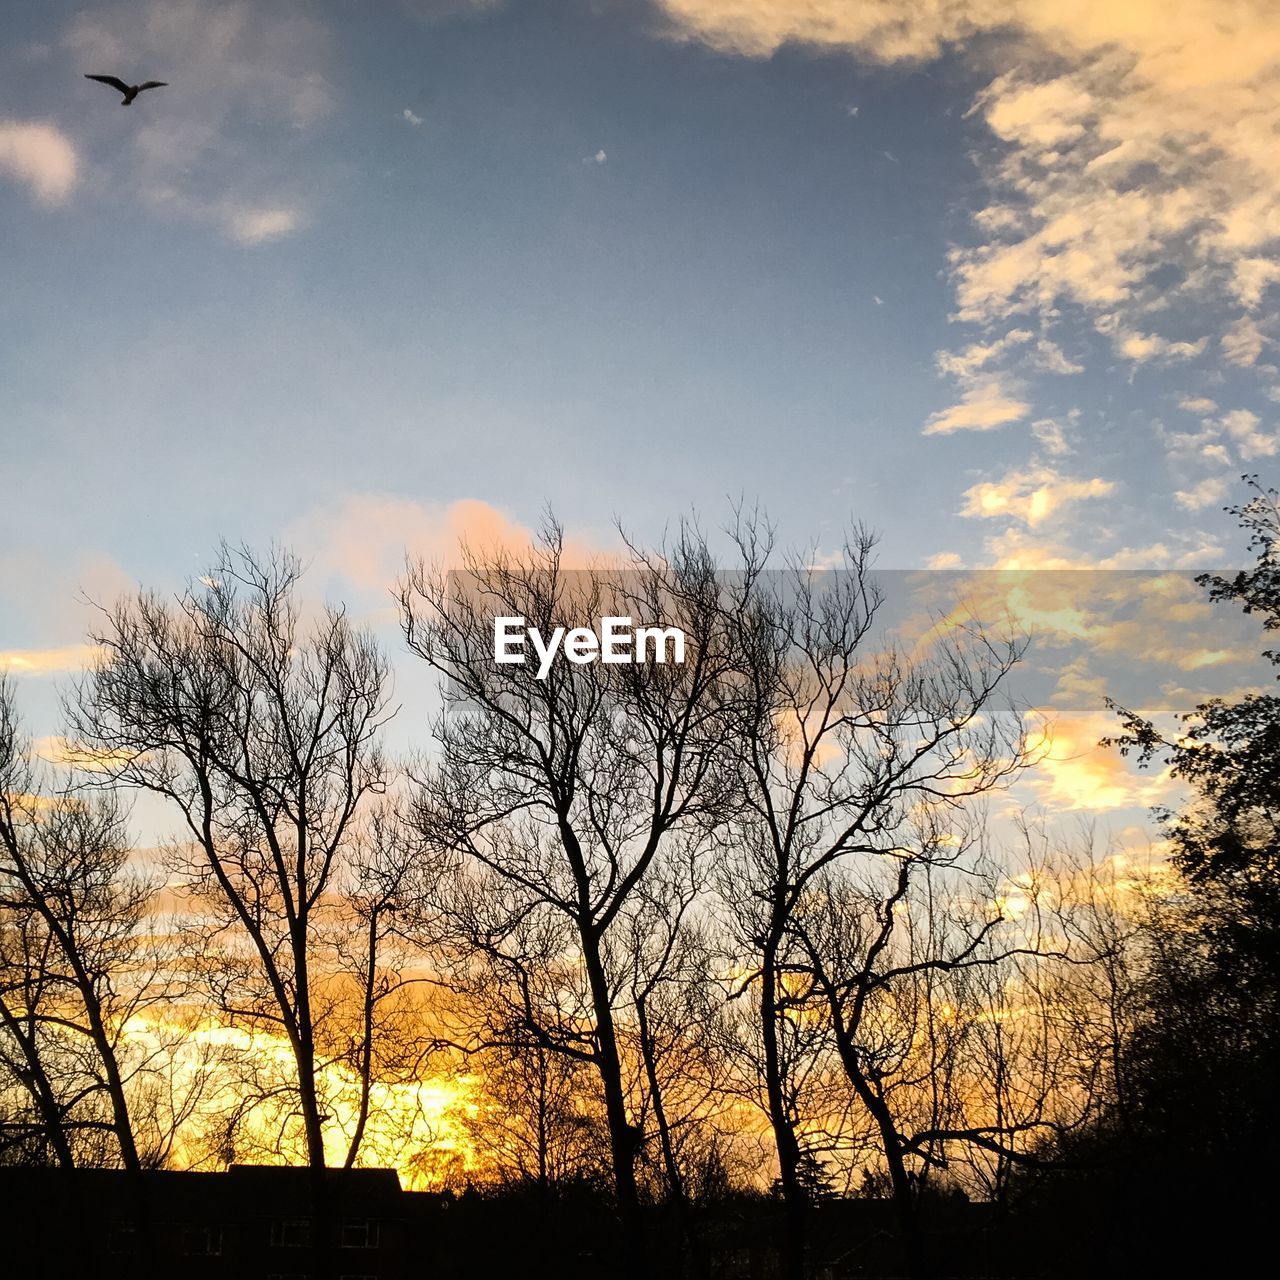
x: 1133, y: 174
x: 1141, y: 347
x: 1242, y: 343
x: 1052, y: 438
x: 1050, y: 358
x: 1242, y: 427
x: 1133, y: 131
x: 600, y: 157
x: 883, y: 29
x: 1252, y: 278
x: 1198, y: 404
x: 412, y: 117
x: 982, y: 407
x: 257, y: 226
x: 1207, y: 493
x: 40, y: 155
x: 977, y: 356
x: 1032, y: 496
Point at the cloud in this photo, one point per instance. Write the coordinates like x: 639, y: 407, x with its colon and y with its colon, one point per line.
x: 1242, y: 426
x: 363, y: 540
x: 983, y: 406
x: 1132, y: 172
x: 247, y: 83
x: 40, y: 155
x: 1252, y: 278
x: 1075, y: 773
x: 1030, y: 496
x: 1052, y: 438
x: 1041, y: 355
x: 600, y: 157
x: 411, y: 117
x: 1242, y: 343
x: 977, y: 356
x: 58, y: 750
x: 256, y: 226
x: 1182, y: 96
x: 884, y: 29
x: 1141, y: 347
x: 1019, y: 549
x: 50, y: 602
x: 1197, y: 404
x: 1209, y: 492
x: 1050, y: 358
x: 46, y: 662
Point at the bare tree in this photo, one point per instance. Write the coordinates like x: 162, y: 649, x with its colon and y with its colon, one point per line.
x: 264, y: 735
x: 566, y: 790
x: 73, y: 951
x: 382, y: 1039
x: 677, y: 1029
x: 839, y: 745
x: 537, y: 1121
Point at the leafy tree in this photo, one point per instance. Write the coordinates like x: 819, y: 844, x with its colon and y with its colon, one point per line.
x: 1226, y: 841
x: 1191, y: 1135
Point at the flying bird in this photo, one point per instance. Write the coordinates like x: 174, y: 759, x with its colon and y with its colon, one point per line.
x: 130, y: 91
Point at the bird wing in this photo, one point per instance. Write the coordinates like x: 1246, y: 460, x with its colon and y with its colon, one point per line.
x: 153, y: 84
x: 112, y: 81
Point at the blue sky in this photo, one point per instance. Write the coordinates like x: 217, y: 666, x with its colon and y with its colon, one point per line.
x: 999, y: 280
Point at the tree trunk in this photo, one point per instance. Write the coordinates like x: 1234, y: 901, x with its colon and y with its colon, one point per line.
x: 115, y: 1087
x: 794, y: 1200
x: 40, y: 1088
x: 675, y: 1182
x: 622, y: 1134
x: 366, y: 1049
x: 913, y: 1241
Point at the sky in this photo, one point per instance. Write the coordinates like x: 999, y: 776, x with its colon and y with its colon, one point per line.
x: 997, y: 277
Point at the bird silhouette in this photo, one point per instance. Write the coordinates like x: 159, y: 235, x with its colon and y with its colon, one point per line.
x: 130, y: 91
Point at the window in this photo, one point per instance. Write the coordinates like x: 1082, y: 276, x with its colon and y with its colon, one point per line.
x: 359, y: 1233
x: 290, y: 1233
x: 202, y: 1241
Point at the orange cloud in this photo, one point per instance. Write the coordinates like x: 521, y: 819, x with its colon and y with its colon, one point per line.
x: 46, y: 662
x: 364, y: 540
x: 1075, y: 773
x: 40, y: 155
x: 1031, y: 496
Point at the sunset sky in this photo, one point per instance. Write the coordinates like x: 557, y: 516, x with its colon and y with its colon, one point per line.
x: 998, y: 277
